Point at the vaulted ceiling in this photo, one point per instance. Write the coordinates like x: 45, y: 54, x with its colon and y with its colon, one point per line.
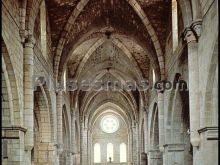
x: 83, y: 30
x: 117, y: 13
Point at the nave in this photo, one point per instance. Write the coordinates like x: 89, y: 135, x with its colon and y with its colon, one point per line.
x: 100, y: 82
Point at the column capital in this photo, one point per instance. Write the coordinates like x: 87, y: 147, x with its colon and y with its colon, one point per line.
x: 30, y: 41
x: 160, y: 92
x: 23, y: 34
x: 193, y: 32
x: 196, y: 26
x: 189, y: 35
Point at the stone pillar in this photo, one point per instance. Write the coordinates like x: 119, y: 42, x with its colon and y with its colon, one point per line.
x: 191, y: 35
x: 73, y: 135
x: 155, y: 157
x: 46, y: 154
x: 54, y: 117
x: 161, y: 120
x: 28, y: 97
x: 130, y: 153
x: 84, y: 144
x: 59, y: 107
x: 193, y: 86
x: 89, y: 147
x: 135, y: 144
x: 145, y: 131
x: 173, y: 154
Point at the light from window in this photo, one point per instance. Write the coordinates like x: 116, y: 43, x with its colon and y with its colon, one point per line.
x: 153, y: 75
x: 97, y: 153
x: 123, y: 152
x: 174, y: 25
x: 43, y: 28
x: 110, y: 152
x: 109, y: 124
x: 64, y: 80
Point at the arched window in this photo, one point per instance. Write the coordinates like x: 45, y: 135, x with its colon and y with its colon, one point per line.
x: 123, y: 152
x: 64, y: 80
x: 174, y: 24
x: 154, y: 77
x: 43, y: 30
x: 110, y: 152
x: 97, y: 153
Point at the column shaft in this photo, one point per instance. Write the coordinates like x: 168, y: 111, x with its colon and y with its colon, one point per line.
x: 193, y: 87
x: 59, y: 121
x: 161, y: 120
x: 145, y: 131
x: 84, y: 145
x: 29, y: 93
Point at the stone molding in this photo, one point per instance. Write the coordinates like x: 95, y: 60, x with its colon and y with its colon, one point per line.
x: 19, y: 128
x: 174, y: 147
x: 211, y: 133
x: 12, y: 132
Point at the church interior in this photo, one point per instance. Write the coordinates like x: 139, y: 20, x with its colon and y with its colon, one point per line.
x: 101, y: 82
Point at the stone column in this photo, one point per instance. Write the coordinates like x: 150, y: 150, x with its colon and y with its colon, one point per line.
x: 191, y: 35
x: 89, y: 147
x: 144, y: 154
x: 193, y: 86
x: 130, y: 149
x: 73, y: 135
x: 54, y: 117
x: 28, y: 97
x: 84, y: 144
x: 145, y: 131
x: 46, y: 154
x: 161, y: 120
x: 155, y: 157
x: 59, y: 107
x: 173, y: 154
x: 135, y: 144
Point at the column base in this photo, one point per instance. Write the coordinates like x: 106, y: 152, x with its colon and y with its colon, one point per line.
x: 174, y: 154
x: 155, y: 157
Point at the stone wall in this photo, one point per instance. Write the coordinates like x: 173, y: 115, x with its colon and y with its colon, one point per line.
x: 162, y: 128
